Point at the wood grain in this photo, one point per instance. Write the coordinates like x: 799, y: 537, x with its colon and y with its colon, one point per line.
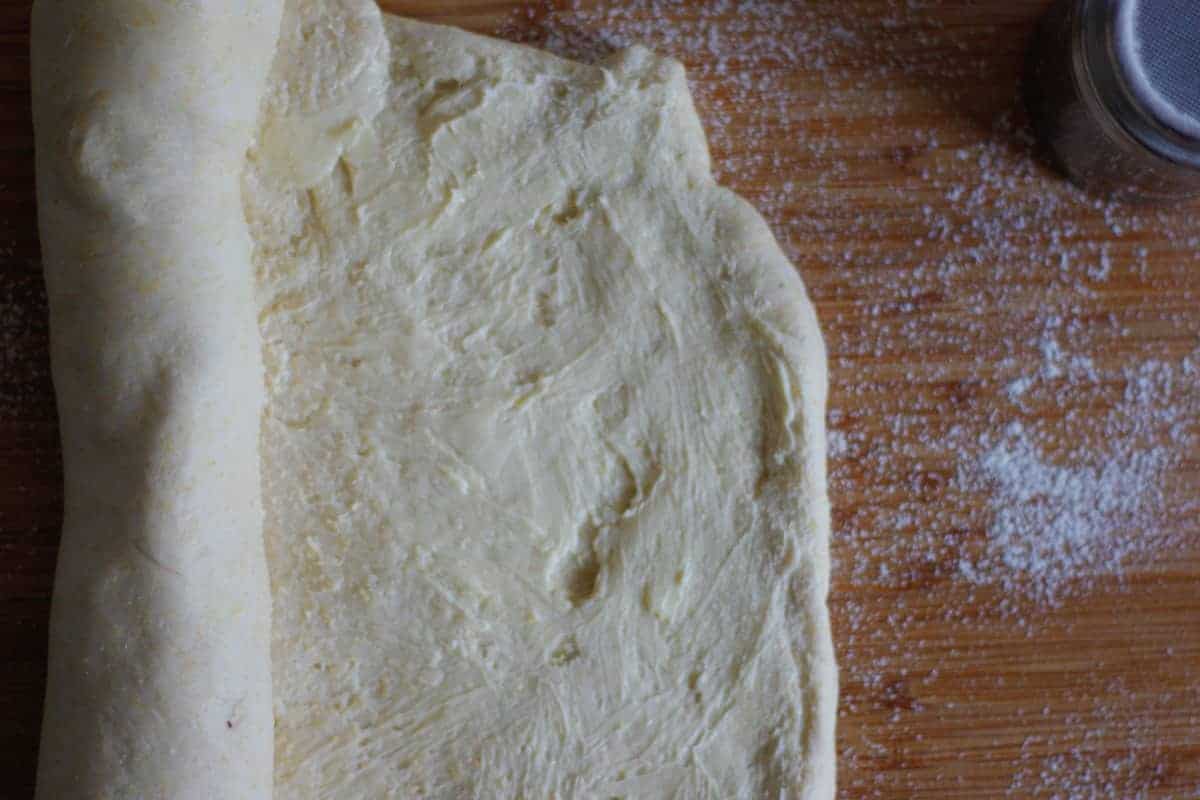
x: 891, y: 157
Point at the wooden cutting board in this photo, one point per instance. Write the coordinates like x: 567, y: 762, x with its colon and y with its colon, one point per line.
x: 1015, y: 392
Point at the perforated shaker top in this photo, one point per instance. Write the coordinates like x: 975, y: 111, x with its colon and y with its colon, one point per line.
x: 1157, y: 43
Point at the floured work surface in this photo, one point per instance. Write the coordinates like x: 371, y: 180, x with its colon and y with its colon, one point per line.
x: 543, y: 452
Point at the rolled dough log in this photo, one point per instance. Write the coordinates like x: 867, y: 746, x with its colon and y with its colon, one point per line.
x: 543, y: 452
x: 159, y: 683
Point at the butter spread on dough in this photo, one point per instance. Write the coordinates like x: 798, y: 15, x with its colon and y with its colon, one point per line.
x: 544, y: 450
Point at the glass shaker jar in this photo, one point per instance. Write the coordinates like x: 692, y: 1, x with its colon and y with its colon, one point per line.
x: 1113, y: 88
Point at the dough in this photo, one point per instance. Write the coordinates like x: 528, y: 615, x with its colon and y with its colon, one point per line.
x: 159, y: 682
x: 542, y: 458
x: 543, y: 451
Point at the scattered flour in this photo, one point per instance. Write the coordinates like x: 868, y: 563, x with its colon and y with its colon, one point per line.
x: 25, y: 386
x: 1054, y: 525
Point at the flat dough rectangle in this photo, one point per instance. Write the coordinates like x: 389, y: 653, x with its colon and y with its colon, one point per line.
x: 542, y: 457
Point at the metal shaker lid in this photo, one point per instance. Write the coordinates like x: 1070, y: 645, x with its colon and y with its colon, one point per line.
x: 1157, y: 47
